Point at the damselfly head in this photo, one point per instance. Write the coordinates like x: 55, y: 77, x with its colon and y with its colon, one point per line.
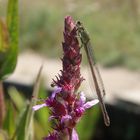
x: 78, y: 23
x: 79, y: 26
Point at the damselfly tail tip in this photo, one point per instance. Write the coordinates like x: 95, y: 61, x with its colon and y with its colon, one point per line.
x: 107, y: 122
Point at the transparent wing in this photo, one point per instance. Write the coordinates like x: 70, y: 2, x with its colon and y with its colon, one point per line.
x: 85, y: 40
x: 97, y: 81
x: 96, y: 70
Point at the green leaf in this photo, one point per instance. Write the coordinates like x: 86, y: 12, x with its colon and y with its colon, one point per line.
x: 16, y: 98
x: 89, y: 122
x: 2, y: 105
x: 3, y: 135
x: 9, y: 125
x: 20, y: 130
x: 3, y: 37
x: 42, y: 115
x: 8, y: 55
x: 4, y: 44
x: 29, y: 123
x: 24, y: 129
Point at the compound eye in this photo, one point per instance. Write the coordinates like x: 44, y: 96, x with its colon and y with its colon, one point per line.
x: 78, y: 23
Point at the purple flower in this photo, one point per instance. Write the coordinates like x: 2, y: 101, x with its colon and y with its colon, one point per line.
x: 67, y: 115
x: 67, y: 105
x: 74, y: 135
x: 52, y: 136
x: 70, y: 78
x: 37, y: 107
x: 82, y: 105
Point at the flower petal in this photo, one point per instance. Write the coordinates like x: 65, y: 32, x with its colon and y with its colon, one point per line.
x: 79, y: 111
x: 82, y: 98
x: 65, y: 120
x: 74, y: 135
x: 57, y: 90
x: 37, y: 107
x: 69, y: 23
x: 52, y: 136
x: 90, y: 103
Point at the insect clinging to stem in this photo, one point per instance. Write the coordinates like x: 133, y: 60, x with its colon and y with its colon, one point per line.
x: 99, y: 86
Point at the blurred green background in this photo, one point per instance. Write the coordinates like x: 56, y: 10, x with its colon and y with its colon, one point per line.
x: 113, y: 25
x: 114, y: 28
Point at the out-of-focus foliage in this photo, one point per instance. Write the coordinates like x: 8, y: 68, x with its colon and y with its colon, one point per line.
x: 18, y: 123
x: 16, y: 119
x: 114, y: 28
x: 9, y: 39
x: 8, y: 55
x: 87, y: 125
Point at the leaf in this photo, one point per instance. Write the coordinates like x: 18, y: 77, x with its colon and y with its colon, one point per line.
x: 16, y: 98
x: 4, y: 44
x: 8, y: 54
x: 41, y: 116
x: 3, y: 135
x: 3, y: 37
x: 2, y: 105
x: 30, y: 111
x: 9, y: 125
x: 89, y: 121
x: 20, y: 129
x: 24, y: 129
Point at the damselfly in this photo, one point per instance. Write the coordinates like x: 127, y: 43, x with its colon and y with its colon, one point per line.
x: 85, y: 41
